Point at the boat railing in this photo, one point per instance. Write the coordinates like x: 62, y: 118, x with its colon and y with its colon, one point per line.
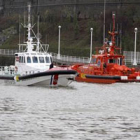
x: 11, y: 71
x: 8, y: 70
x: 43, y: 48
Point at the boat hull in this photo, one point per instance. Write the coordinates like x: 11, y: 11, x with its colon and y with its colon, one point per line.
x: 48, y: 78
x: 95, y: 79
x: 45, y: 81
x: 104, y: 79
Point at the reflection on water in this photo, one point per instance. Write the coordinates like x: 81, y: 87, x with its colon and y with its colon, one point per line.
x: 80, y: 112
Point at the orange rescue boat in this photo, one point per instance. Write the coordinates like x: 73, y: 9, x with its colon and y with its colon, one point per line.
x: 106, y: 66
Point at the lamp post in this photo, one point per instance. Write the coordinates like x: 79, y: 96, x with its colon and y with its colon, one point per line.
x: 104, y: 22
x: 135, y: 61
x: 121, y: 39
x: 58, y: 55
x: 91, y: 30
x: 19, y: 33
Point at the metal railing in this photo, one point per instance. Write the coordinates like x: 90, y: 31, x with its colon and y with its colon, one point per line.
x: 7, y: 70
x: 12, y: 71
x: 8, y: 52
x: 70, y: 59
x: 129, y: 56
x: 63, y: 58
x: 82, y: 2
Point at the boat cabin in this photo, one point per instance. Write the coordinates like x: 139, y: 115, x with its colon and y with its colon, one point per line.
x: 35, y: 61
x: 103, y: 64
x: 97, y: 60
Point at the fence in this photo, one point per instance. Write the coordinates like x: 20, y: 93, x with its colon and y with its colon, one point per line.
x: 69, y: 59
x: 129, y: 57
x: 8, y: 52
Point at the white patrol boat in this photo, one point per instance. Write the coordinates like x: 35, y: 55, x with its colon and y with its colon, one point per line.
x: 34, y: 65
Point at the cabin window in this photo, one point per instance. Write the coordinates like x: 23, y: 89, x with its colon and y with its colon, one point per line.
x: 20, y: 59
x: 93, y: 60
x: 23, y: 59
x: 28, y: 59
x: 111, y: 61
x: 47, y: 59
x: 121, y: 61
x: 41, y: 59
x: 35, y: 60
x: 118, y: 61
x: 51, y: 59
x: 99, y: 63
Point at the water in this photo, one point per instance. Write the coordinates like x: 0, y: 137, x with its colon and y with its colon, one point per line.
x: 80, y: 112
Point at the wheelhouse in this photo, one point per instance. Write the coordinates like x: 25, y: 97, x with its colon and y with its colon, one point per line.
x: 33, y: 58
x: 110, y: 59
x: 35, y: 61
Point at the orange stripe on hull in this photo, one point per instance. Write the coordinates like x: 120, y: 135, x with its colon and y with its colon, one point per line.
x: 100, y: 81
x: 105, y: 81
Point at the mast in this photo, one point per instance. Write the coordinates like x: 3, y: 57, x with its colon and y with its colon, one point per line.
x: 38, y: 37
x: 29, y: 21
x: 30, y: 45
x: 19, y: 33
x: 113, y: 34
x: 29, y: 28
x: 104, y: 22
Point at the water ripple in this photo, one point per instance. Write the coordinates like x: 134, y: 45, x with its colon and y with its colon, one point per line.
x: 81, y: 112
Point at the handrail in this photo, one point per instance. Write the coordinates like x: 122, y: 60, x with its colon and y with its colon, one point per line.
x: 129, y: 55
x: 8, y: 52
x: 8, y: 70
x: 87, y: 2
x: 71, y: 59
x: 11, y: 71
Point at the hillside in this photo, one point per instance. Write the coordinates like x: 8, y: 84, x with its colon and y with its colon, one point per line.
x: 75, y: 31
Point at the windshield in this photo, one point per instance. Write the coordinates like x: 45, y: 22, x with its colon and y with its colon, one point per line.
x: 115, y: 61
